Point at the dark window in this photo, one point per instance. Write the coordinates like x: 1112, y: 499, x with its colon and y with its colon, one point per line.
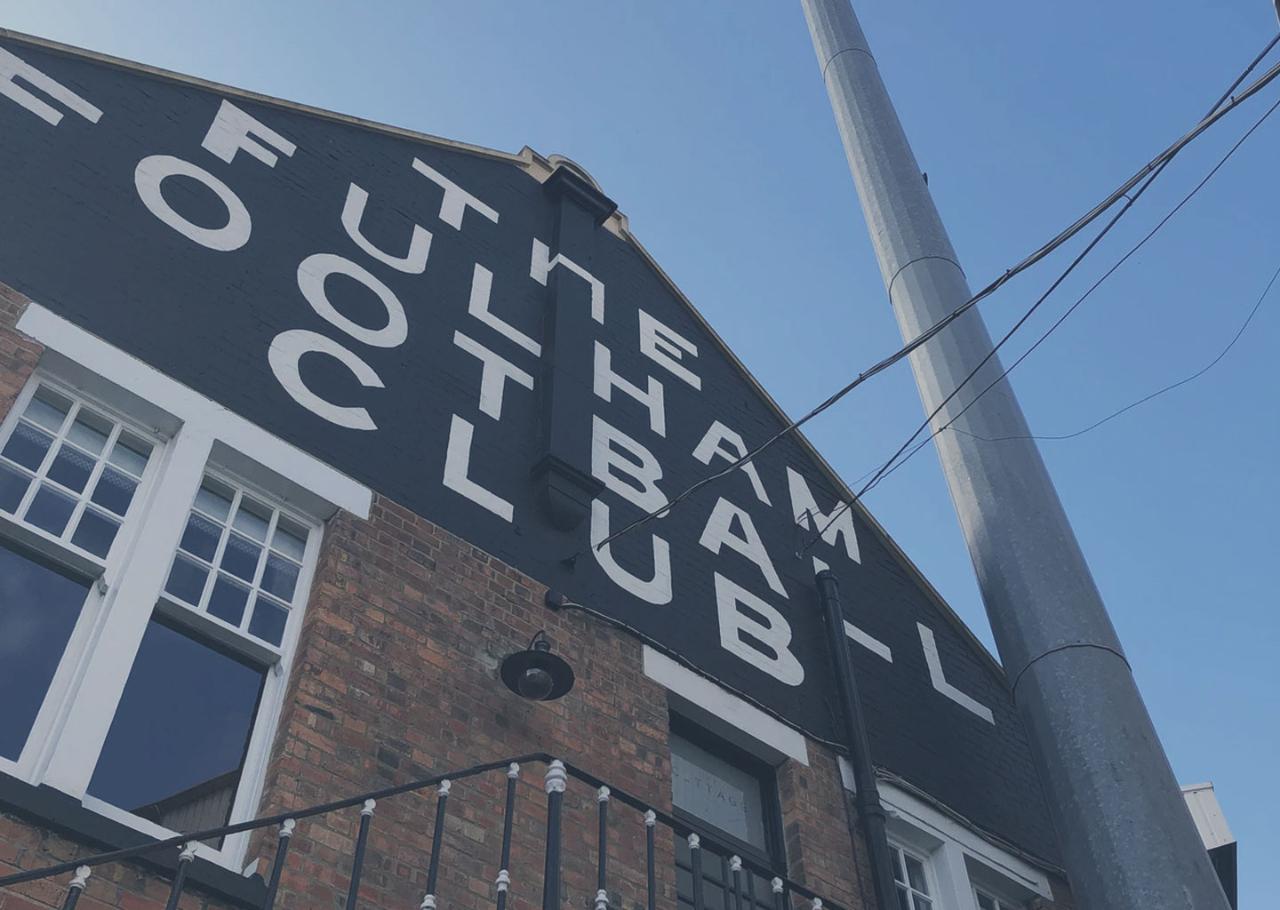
x: 39, y: 607
x: 730, y: 797
x: 176, y: 747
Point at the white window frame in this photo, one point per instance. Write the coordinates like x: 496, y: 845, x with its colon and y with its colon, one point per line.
x: 93, y: 569
x: 960, y: 859
x: 925, y: 858
x: 194, y: 436
x: 993, y: 894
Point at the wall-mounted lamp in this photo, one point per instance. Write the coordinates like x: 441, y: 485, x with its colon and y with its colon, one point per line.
x: 537, y: 674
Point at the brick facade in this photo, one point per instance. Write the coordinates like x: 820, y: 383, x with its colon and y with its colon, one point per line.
x: 395, y: 679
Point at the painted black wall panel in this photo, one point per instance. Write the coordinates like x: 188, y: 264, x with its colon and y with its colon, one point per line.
x: 76, y: 237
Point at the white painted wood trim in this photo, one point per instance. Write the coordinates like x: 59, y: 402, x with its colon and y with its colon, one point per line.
x: 720, y: 703
x: 910, y: 810
x: 193, y: 409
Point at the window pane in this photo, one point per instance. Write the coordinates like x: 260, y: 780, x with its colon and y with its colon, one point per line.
x: 176, y: 746
x: 38, y: 610
x: 186, y: 579
x: 280, y: 577
x: 899, y: 874
x: 214, y: 500
x: 904, y: 901
x: 915, y: 873
x: 47, y: 409
x: 27, y: 446
x: 290, y: 540
x: 114, y: 490
x: 253, y: 519
x: 240, y: 557
x: 95, y: 532
x: 50, y: 510
x: 721, y: 794
x: 90, y: 432
x: 201, y: 537
x: 13, y: 483
x: 268, y: 621
x: 227, y: 600
x: 71, y: 467
x: 130, y: 454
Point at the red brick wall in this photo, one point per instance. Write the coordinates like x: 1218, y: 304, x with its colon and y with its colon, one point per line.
x: 395, y: 679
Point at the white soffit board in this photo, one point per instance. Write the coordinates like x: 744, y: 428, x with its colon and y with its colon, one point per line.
x: 724, y: 705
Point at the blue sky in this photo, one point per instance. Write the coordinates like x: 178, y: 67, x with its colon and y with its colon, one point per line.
x: 708, y: 122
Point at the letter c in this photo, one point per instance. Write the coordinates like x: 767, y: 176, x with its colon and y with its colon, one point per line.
x: 286, y: 351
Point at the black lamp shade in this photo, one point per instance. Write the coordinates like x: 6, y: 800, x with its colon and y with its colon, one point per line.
x: 537, y: 674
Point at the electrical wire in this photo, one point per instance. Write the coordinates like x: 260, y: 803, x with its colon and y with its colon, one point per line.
x: 896, y: 460
x: 1156, y: 394
x: 1061, y: 238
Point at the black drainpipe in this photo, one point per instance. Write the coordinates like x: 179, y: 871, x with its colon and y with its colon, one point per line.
x: 866, y: 797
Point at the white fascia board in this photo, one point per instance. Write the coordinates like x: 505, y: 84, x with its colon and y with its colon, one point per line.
x: 723, y: 705
x: 911, y: 810
x: 1208, y: 816
x: 306, y: 472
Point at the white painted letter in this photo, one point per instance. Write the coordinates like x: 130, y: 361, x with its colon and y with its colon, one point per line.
x: 719, y: 531
x: 317, y: 267
x: 767, y: 648
x: 457, y: 462
x: 940, y: 681
x: 664, y: 346
x: 807, y: 514
x: 642, y: 467
x: 456, y: 200
x: 286, y: 351
x: 656, y: 590
x: 413, y: 262
x: 12, y: 68
x: 606, y: 379
x: 543, y: 262
x: 495, y: 370
x: 151, y: 173
x: 710, y: 446
x: 232, y: 129
x: 478, y: 306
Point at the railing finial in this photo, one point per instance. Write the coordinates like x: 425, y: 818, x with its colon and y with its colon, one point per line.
x: 695, y: 842
x: 81, y: 878
x: 735, y: 863
x: 602, y: 795
x: 556, y: 776
x: 602, y: 900
x: 367, y: 809
x: 513, y: 770
x: 504, y: 880
x: 650, y: 818
x: 188, y: 852
x: 777, y: 886
x: 286, y: 828
x: 445, y: 786
x: 428, y: 903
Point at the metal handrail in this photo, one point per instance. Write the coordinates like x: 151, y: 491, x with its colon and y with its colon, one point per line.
x: 781, y: 884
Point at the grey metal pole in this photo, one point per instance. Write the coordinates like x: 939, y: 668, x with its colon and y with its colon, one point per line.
x: 1127, y: 837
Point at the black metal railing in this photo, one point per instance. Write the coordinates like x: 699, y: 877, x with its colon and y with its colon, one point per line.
x: 556, y: 778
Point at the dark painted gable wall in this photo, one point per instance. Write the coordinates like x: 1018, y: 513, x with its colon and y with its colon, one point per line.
x: 75, y: 237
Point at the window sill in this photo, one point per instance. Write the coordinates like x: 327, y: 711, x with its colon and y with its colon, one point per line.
x: 50, y: 548
x: 50, y: 808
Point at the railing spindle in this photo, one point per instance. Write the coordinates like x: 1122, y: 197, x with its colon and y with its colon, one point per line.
x: 437, y: 836
x: 602, y: 891
x: 779, y: 902
x: 695, y: 860
x: 180, y: 877
x: 277, y: 865
x: 555, y: 784
x: 504, y: 874
x: 735, y: 866
x: 357, y: 864
x: 650, y: 822
x: 77, y: 885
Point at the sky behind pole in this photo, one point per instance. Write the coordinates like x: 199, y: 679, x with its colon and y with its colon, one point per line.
x: 708, y: 122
